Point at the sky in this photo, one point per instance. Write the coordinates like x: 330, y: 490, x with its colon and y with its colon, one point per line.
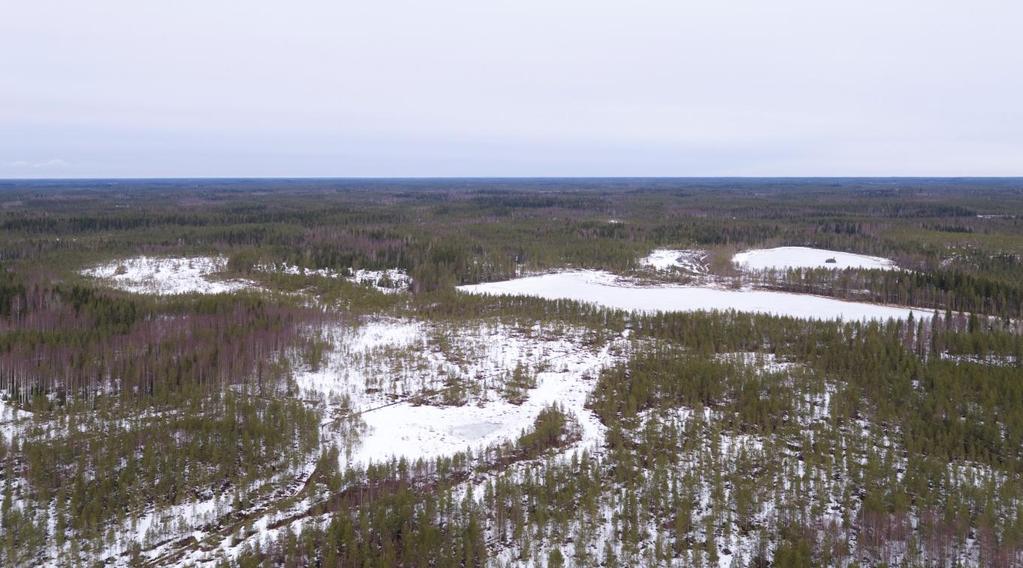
x: 393, y: 88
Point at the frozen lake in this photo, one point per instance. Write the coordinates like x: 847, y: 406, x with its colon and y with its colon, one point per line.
x: 605, y: 289
x: 784, y: 258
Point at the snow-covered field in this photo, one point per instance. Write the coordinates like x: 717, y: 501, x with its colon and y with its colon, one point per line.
x: 784, y: 258
x: 167, y: 275
x: 606, y: 289
x: 694, y: 261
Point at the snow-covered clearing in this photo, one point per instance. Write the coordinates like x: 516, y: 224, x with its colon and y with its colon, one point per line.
x: 377, y: 367
x: 167, y: 275
x: 694, y: 261
x: 370, y: 363
x: 784, y: 258
x: 607, y: 290
x: 428, y: 431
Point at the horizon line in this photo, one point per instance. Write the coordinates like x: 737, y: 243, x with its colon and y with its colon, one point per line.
x: 502, y: 177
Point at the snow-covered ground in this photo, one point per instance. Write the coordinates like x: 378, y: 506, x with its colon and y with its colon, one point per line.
x: 167, y: 275
x: 369, y: 363
x: 694, y: 261
x: 12, y: 420
x: 784, y: 258
x: 428, y: 431
x: 993, y: 360
x: 480, y: 358
x: 375, y: 368
x: 388, y: 281
x: 606, y: 289
x: 763, y: 362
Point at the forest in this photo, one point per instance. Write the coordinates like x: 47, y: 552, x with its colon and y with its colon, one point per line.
x: 245, y: 372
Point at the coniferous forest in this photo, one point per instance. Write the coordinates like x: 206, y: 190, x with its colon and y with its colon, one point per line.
x: 343, y: 372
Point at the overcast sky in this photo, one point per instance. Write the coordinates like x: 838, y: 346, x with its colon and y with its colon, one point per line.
x: 140, y: 88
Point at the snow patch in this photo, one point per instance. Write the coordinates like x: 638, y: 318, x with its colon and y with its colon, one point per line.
x: 694, y: 261
x: 388, y: 281
x: 12, y: 419
x: 763, y: 362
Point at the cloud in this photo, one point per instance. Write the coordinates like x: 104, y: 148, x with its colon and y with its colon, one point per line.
x: 52, y: 163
